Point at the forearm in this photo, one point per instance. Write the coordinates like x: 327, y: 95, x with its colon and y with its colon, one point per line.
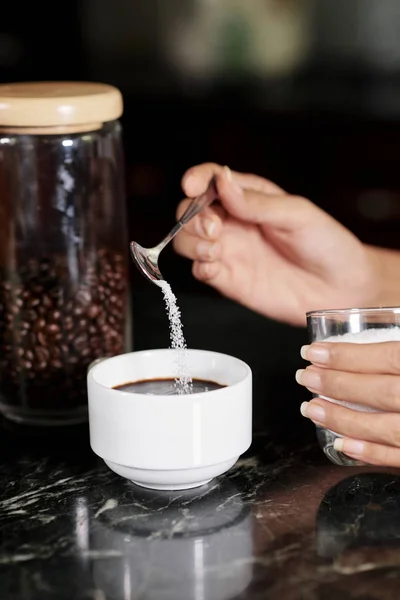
x: 387, y: 269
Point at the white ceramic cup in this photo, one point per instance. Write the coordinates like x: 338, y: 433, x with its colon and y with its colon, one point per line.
x: 170, y: 442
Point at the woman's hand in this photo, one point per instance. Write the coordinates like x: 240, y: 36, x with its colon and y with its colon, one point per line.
x: 364, y: 374
x: 275, y: 253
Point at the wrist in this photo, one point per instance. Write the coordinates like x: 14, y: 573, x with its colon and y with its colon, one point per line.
x: 385, y: 280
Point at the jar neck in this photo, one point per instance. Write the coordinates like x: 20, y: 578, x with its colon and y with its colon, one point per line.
x: 58, y: 130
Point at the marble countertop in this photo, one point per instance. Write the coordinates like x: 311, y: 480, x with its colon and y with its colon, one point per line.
x: 282, y: 524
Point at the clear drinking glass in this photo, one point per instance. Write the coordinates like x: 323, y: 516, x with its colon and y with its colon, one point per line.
x: 355, y: 325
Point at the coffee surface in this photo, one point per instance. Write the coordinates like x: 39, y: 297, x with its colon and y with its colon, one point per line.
x: 166, y: 387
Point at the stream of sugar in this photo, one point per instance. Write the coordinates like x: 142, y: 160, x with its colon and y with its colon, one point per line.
x: 183, y: 381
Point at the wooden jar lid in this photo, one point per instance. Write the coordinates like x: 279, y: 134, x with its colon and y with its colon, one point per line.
x: 58, y: 107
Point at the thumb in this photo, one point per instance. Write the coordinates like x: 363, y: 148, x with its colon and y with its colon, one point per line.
x: 278, y: 210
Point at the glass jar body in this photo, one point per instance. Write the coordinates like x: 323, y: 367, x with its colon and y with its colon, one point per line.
x: 64, y: 298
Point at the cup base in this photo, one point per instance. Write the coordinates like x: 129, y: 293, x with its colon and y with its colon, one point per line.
x: 326, y: 439
x: 178, y: 479
x: 170, y: 487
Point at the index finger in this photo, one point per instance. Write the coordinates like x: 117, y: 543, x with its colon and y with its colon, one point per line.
x: 196, y: 179
x: 379, y: 357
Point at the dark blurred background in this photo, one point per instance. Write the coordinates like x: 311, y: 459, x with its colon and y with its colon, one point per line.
x: 304, y: 92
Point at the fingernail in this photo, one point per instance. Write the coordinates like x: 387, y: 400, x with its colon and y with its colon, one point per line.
x: 316, y: 353
x: 228, y: 173
x: 209, y: 226
x: 313, y: 411
x: 299, y: 375
x: 353, y: 447
x: 309, y: 379
x: 235, y: 187
x: 303, y: 352
x: 205, y: 250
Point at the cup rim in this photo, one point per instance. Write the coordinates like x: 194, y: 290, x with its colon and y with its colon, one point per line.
x: 341, y: 311
x: 183, y: 397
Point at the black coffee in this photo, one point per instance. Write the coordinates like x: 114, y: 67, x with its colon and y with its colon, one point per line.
x: 166, y: 387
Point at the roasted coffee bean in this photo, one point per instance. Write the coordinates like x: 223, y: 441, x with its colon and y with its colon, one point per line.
x: 50, y: 331
x: 68, y: 323
x: 55, y: 351
x: 52, y: 328
x: 31, y: 316
x: 93, y: 311
x: 46, y: 301
x: 101, y: 320
x: 83, y: 297
x: 41, y: 354
x: 41, y: 339
x: 40, y: 324
x: 95, y: 342
x: 81, y: 343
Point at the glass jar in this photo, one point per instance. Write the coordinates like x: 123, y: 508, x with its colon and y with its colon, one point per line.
x: 64, y: 298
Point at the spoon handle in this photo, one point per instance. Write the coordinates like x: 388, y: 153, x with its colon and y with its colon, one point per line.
x: 200, y: 202
x: 176, y: 228
x: 196, y: 205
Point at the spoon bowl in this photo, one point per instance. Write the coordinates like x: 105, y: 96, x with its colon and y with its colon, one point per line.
x: 146, y: 259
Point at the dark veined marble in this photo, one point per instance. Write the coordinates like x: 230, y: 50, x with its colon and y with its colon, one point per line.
x: 282, y: 524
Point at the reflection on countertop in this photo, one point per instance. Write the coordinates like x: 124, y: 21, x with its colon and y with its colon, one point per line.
x: 182, y: 546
